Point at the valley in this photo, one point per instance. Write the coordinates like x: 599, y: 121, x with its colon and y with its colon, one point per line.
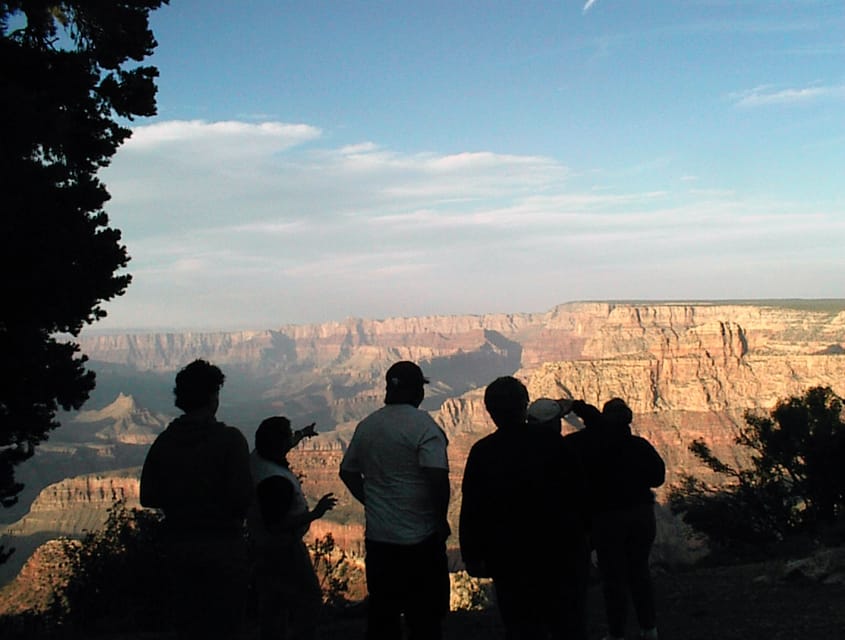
x: 688, y: 370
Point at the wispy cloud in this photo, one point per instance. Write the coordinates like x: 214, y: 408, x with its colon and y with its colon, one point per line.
x: 270, y: 224
x: 588, y: 6
x: 768, y: 95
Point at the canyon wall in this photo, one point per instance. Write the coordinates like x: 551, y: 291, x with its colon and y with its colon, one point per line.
x: 688, y: 370
x: 67, y: 508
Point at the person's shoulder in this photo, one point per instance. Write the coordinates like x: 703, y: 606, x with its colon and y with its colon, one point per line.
x: 374, y: 418
x: 423, y: 417
x: 169, y: 430
x: 379, y: 414
x: 640, y: 441
x: 232, y: 435
x: 644, y: 446
x: 487, y: 443
x: 408, y: 414
x: 277, y: 482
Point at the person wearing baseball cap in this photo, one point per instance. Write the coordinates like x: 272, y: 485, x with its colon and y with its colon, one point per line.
x: 396, y: 466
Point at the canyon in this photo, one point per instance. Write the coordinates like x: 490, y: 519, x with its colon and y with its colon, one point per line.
x: 688, y: 370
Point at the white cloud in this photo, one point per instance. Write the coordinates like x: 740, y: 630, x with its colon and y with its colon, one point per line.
x: 289, y: 232
x: 185, y: 131
x: 588, y: 5
x: 767, y: 95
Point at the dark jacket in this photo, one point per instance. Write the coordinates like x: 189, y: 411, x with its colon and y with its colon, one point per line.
x: 519, y: 486
x: 621, y: 468
x: 198, y: 473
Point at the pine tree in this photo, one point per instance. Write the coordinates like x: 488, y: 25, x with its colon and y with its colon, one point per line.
x: 70, y: 80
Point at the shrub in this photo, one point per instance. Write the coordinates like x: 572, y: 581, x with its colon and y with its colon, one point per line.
x: 333, y: 570
x: 115, y: 575
x: 468, y: 593
x: 793, y: 485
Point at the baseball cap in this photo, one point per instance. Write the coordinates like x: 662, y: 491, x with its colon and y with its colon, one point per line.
x: 405, y: 374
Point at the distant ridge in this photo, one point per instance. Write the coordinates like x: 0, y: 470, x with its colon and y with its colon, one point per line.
x: 829, y: 305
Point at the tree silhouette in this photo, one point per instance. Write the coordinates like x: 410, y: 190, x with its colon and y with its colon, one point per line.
x: 794, y: 482
x: 69, y: 75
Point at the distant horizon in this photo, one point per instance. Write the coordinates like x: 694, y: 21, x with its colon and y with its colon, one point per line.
x: 831, y: 305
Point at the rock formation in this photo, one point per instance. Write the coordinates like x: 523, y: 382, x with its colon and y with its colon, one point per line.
x: 688, y: 370
x: 67, y: 508
x: 122, y: 421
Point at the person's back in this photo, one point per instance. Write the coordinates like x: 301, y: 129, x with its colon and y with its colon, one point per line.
x: 194, y: 473
x: 197, y: 473
x: 514, y: 482
x: 391, y: 446
x: 521, y: 485
x: 396, y: 466
x: 622, y: 469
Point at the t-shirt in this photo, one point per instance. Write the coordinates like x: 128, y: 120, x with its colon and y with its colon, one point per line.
x: 390, y: 448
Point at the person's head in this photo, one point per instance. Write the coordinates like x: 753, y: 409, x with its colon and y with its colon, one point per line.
x: 405, y: 384
x: 274, y: 437
x: 506, y: 400
x: 197, y: 386
x: 616, y: 412
x: 545, y: 414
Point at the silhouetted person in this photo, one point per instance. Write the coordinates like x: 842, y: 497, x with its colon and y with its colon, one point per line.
x: 546, y: 415
x: 197, y: 473
x: 520, y: 520
x: 396, y: 466
x: 622, y: 469
x: 289, y: 596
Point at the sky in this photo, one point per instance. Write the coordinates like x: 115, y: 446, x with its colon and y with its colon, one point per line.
x: 314, y: 161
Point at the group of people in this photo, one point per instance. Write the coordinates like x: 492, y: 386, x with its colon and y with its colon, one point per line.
x: 534, y: 505
x: 201, y: 474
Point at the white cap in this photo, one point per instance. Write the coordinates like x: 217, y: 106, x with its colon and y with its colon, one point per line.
x: 543, y: 410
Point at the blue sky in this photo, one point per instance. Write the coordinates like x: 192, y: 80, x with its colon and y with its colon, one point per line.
x: 313, y: 161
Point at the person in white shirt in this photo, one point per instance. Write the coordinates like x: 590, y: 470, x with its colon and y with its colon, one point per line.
x: 396, y: 466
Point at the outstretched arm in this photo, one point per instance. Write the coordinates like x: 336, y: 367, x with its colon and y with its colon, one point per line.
x: 308, y: 431
x: 324, y: 504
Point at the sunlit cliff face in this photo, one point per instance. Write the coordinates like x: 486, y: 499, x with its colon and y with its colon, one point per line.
x: 686, y: 371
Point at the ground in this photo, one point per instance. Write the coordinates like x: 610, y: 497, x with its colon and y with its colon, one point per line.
x: 740, y: 602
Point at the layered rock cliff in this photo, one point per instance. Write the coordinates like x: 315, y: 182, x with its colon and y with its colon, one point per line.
x: 359, y: 349
x: 67, y: 508
x: 688, y: 370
